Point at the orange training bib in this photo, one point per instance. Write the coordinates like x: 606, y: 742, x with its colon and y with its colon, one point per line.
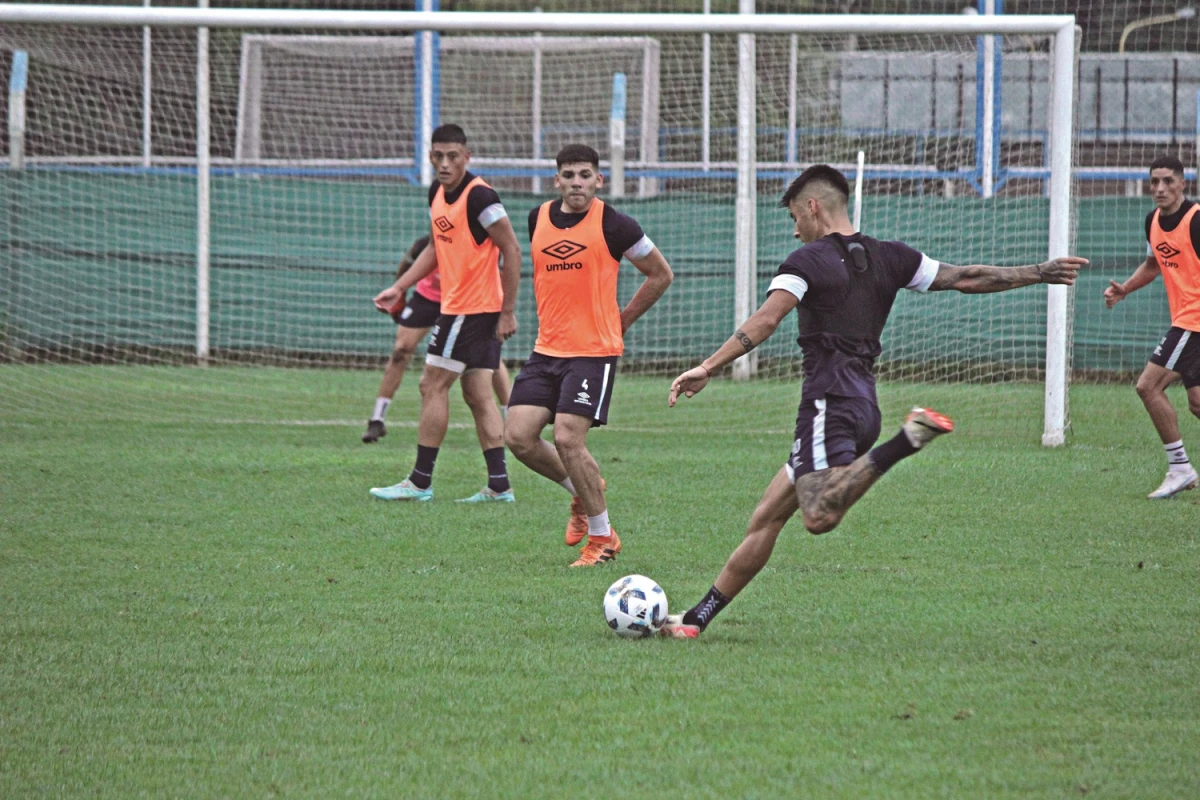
x: 1180, y: 267
x: 575, y: 283
x: 470, y: 273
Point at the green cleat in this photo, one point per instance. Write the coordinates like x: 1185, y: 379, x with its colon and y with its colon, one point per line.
x: 486, y: 495
x: 404, y: 490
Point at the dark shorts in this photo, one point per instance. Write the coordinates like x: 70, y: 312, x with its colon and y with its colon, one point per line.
x: 581, y: 386
x: 420, y: 312
x: 466, y: 341
x: 832, y: 433
x: 1179, y: 351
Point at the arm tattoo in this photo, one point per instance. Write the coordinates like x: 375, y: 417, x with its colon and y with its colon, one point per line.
x: 746, y: 341
x: 984, y: 279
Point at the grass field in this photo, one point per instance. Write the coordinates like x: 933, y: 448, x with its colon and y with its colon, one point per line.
x: 219, y: 610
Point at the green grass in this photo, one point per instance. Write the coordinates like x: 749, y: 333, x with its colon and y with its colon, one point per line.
x: 219, y: 610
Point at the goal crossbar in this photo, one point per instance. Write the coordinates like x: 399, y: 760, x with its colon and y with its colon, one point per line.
x: 555, y: 22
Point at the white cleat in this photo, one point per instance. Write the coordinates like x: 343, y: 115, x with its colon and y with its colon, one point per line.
x: 1176, y: 481
x: 922, y: 425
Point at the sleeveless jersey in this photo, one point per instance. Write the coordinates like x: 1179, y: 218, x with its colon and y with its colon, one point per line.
x: 470, y: 272
x: 575, y: 284
x: 1180, y: 267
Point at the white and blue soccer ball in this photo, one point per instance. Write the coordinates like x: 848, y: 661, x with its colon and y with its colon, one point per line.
x: 635, y: 607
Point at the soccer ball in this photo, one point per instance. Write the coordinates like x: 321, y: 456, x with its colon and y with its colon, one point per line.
x: 635, y: 607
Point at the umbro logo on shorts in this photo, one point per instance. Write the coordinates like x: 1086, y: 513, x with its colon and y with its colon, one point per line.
x: 443, y: 224
x: 564, y: 249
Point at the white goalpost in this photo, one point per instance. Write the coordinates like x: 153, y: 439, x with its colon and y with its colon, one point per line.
x: 781, y: 120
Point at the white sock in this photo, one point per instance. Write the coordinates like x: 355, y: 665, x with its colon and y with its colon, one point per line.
x: 598, y: 525
x: 570, y: 487
x: 381, y: 407
x: 1177, y: 459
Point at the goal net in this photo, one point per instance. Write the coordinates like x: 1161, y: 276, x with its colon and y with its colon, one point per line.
x: 314, y: 190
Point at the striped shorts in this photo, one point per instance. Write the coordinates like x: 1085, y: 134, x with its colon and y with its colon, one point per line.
x: 465, y: 341
x: 831, y: 432
x: 1179, y: 351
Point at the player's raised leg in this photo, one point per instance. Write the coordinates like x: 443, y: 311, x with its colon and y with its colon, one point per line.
x: 824, y: 497
x: 477, y: 388
x: 431, y: 431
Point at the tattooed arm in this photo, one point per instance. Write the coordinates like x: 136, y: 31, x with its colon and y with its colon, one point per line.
x: 980, y: 279
x: 753, y: 332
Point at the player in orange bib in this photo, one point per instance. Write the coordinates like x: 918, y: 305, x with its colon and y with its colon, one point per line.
x: 1173, y: 231
x: 470, y: 233
x: 577, y: 245
x: 414, y: 316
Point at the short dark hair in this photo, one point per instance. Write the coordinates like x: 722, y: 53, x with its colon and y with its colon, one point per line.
x: 817, y: 173
x: 577, y: 154
x: 1167, y: 162
x: 448, y: 134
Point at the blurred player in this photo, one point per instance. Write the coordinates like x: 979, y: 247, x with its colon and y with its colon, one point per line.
x: 414, y: 318
x: 577, y: 243
x: 843, y: 285
x: 470, y: 233
x: 1173, y: 231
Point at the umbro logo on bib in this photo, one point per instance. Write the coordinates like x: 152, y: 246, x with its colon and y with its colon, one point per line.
x: 563, y: 249
x: 1167, y: 252
x: 443, y: 224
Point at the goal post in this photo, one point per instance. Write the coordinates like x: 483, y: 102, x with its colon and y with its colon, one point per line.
x: 748, y: 159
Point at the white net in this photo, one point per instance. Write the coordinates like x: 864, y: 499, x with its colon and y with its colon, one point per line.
x: 315, y: 195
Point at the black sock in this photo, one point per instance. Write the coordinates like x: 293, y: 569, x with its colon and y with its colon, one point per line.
x: 497, y: 471
x: 709, y: 607
x: 422, y: 474
x: 886, y: 455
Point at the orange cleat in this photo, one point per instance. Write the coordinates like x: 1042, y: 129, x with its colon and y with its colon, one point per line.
x: 676, y: 628
x: 577, y: 526
x: 599, y: 549
x: 923, y: 425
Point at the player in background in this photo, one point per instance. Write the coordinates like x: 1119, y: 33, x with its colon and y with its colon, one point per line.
x: 843, y: 285
x: 1173, y: 233
x: 578, y: 241
x: 414, y: 317
x: 470, y: 233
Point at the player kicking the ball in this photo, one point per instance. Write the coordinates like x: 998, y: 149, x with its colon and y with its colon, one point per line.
x: 577, y: 245
x: 843, y: 285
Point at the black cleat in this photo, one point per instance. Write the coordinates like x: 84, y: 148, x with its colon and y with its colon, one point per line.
x: 375, y: 431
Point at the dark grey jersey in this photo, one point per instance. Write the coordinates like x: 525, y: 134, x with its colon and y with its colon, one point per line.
x: 846, y: 286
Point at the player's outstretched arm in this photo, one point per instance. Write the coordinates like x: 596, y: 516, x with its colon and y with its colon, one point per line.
x: 658, y: 277
x: 425, y: 264
x: 981, y: 279
x: 753, y: 332
x: 1142, y: 276
x: 501, y: 232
